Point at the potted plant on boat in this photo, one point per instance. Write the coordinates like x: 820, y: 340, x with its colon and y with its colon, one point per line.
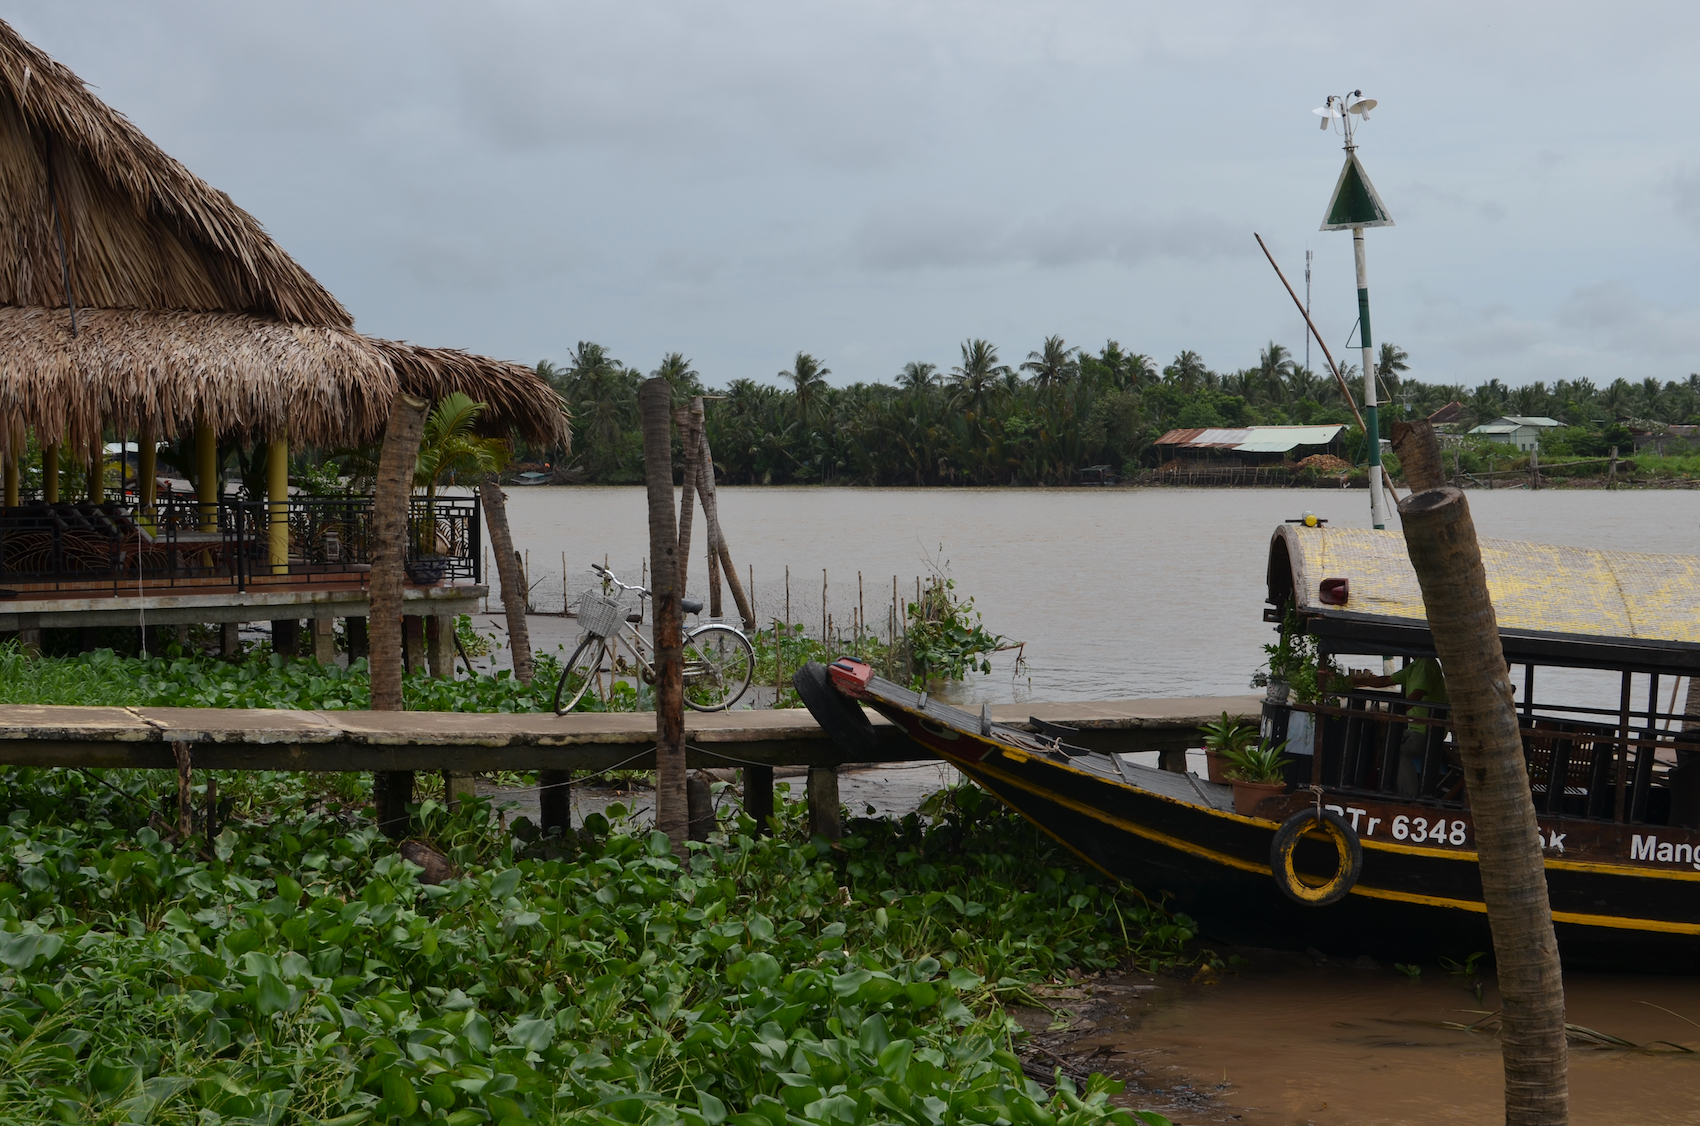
x: 1255, y: 771
x: 1222, y: 737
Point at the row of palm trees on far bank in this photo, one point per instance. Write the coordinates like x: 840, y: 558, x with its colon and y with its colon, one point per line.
x: 1039, y: 422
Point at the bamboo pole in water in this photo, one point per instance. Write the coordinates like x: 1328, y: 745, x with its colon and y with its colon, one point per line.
x: 861, y: 613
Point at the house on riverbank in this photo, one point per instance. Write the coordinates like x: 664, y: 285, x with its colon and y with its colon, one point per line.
x: 1244, y: 455
x: 1520, y: 430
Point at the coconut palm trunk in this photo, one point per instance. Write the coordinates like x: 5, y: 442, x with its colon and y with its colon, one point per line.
x: 1441, y: 539
x: 508, y: 571
x: 391, y: 495
x: 672, y: 810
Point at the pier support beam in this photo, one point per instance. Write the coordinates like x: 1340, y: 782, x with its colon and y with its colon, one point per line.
x: 758, y: 796
x: 392, y: 793
x: 286, y: 636
x: 699, y: 799
x: 229, y: 639
x: 324, y: 640
x: 825, y: 815
x: 457, y: 785
x: 555, y: 801
x: 358, y: 646
x: 440, y: 646
x: 413, y: 641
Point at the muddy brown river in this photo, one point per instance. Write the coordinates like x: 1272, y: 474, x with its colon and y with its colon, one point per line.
x: 1284, y: 1039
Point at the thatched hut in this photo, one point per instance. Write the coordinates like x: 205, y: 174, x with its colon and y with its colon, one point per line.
x: 135, y: 297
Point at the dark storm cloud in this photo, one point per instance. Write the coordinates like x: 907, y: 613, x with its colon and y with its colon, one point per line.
x: 874, y: 181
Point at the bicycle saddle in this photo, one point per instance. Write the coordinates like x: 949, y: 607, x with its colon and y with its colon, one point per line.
x: 691, y: 605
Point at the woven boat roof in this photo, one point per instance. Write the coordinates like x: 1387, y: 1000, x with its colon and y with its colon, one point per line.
x: 1545, y: 589
x: 184, y: 303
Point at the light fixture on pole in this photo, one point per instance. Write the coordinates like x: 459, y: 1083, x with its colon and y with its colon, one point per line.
x: 1354, y: 206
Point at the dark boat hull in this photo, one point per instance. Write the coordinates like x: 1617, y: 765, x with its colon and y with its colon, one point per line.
x: 1177, y: 835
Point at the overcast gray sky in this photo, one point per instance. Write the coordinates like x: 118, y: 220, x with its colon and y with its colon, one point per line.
x: 873, y: 182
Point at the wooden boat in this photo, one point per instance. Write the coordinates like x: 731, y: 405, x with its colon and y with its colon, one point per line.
x: 1341, y: 861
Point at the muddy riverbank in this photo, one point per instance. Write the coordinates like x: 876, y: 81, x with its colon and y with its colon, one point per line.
x: 1285, y: 1039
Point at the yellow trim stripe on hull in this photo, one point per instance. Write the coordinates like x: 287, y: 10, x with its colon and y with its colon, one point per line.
x: 1613, y: 922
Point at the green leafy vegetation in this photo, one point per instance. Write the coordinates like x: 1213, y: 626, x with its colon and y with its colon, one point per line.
x: 258, y: 680
x: 293, y: 969
x: 946, y: 637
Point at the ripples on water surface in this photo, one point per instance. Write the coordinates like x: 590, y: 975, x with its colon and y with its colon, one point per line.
x: 1117, y: 592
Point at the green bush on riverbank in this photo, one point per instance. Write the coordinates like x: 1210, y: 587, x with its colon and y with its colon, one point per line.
x: 294, y: 970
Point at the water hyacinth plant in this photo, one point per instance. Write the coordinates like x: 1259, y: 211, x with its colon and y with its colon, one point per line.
x: 293, y: 969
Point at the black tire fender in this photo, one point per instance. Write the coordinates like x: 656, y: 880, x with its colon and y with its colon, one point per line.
x: 840, y: 717
x: 1283, y: 848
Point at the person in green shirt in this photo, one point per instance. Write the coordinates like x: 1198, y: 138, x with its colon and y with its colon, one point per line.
x: 1422, y: 679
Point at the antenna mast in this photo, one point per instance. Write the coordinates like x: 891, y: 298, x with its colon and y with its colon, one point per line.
x: 1307, y: 309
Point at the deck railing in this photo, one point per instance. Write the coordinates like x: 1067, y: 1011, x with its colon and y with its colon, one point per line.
x: 1579, y: 765
x: 113, y: 547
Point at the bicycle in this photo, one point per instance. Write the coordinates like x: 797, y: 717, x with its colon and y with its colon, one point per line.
x: 719, y: 662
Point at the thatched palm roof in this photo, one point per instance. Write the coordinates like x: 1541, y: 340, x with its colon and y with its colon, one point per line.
x: 185, y: 307
x: 250, y: 378
x: 141, y: 230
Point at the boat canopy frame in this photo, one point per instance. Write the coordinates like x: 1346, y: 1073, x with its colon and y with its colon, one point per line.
x: 1544, y: 597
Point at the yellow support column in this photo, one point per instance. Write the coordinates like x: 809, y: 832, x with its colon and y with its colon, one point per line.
x: 277, y: 494
x: 206, y: 474
x: 50, y: 472
x: 147, y: 466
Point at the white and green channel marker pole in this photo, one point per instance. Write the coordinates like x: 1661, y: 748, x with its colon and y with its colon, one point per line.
x: 1354, y: 206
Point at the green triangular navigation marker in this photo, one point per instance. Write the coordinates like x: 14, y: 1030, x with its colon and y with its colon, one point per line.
x: 1355, y: 202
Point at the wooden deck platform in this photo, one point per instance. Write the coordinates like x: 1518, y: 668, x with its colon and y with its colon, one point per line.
x: 233, y: 739
x: 187, y: 604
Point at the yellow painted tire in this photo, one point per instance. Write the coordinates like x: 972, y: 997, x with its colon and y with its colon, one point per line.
x: 1306, y: 889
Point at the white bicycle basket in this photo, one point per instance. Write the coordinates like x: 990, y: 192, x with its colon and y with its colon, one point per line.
x: 602, y: 614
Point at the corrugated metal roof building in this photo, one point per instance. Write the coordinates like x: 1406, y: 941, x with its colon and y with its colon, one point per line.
x: 1231, y: 445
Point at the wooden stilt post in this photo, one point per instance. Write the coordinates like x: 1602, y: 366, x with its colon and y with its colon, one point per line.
x: 457, y: 786
x: 185, y: 794
x: 324, y: 640
x: 358, y: 645
x: 440, y: 646
x: 826, y: 819
x: 50, y: 472
x: 758, y: 796
x: 700, y: 798
x: 555, y: 801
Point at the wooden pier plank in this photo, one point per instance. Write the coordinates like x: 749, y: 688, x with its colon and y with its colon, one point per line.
x: 243, y: 739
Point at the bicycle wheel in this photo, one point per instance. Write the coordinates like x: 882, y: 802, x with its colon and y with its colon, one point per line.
x: 583, y: 673
x: 719, y: 665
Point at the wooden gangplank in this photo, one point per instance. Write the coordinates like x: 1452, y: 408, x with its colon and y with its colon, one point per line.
x: 462, y: 742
